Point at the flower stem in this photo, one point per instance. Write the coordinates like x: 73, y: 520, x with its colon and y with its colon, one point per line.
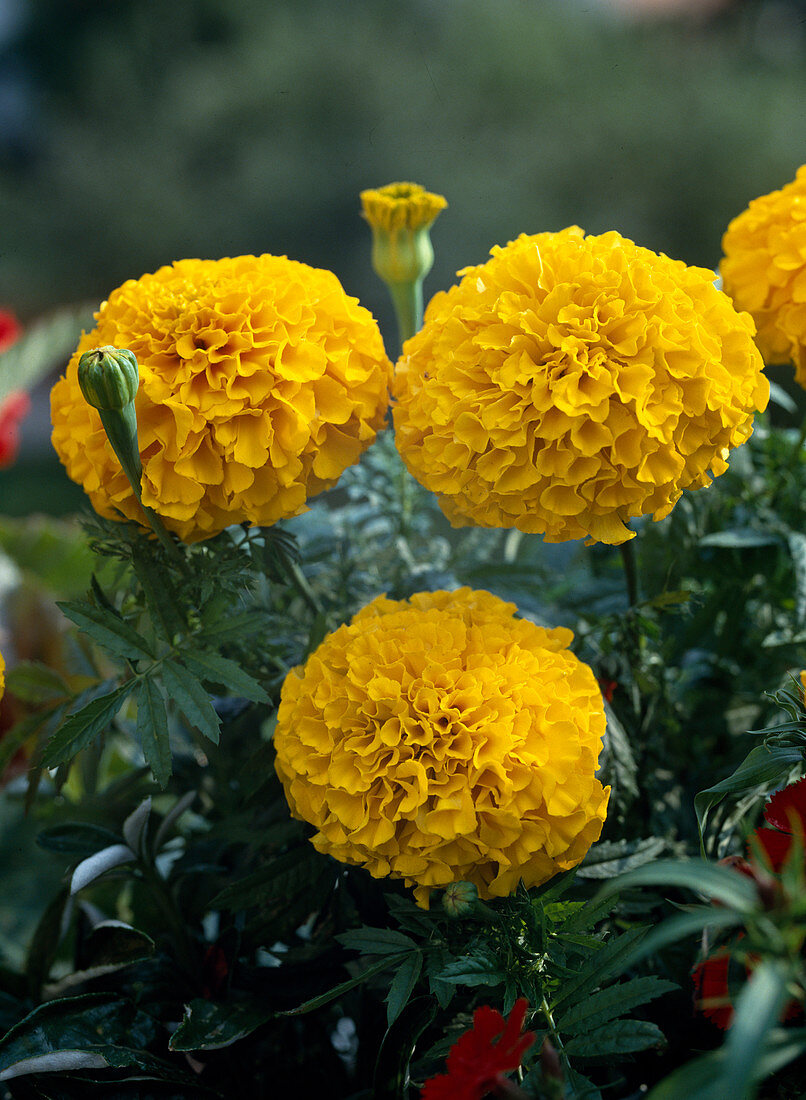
x: 630, y: 563
x: 407, y: 299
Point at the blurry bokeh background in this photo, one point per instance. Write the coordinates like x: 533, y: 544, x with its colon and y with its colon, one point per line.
x: 136, y: 133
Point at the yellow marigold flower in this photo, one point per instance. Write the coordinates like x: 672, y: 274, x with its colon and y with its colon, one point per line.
x: 803, y: 687
x: 261, y: 381
x: 764, y: 271
x: 573, y: 382
x: 401, y: 206
x: 439, y: 739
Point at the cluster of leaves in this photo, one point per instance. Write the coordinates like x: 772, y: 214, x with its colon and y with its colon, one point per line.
x: 200, y: 944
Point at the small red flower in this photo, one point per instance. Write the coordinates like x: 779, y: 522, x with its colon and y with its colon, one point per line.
x: 12, y: 411
x: 608, y: 688
x: 786, y: 813
x: 477, y: 1061
x: 712, y: 989
x: 10, y: 329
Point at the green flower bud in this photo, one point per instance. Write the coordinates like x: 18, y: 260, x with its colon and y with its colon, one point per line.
x: 459, y: 899
x: 109, y: 378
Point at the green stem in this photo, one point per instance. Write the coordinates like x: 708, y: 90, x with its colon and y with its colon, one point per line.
x: 121, y: 430
x: 629, y: 561
x: 407, y: 299
x: 304, y: 589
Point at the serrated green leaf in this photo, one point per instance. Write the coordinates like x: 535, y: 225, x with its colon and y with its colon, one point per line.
x: 108, y: 630
x: 191, y: 698
x: 617, y: 1037
x: 607, y: 962
x: 612, y: 1002
x: 221, y: 670
x: 471, y: 970
x: 714, y: 881
x: 83, y: 727
x: 339, y: 990
x: 376, y: 941
x: 152, y: 729
x: 402, y: 986
x: 33, y: 682
x: 763, y: 766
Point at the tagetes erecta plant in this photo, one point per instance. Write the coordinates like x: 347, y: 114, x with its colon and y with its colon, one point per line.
x: 571, y: 383
x: 481, y: 1056
x: 261, y: 381
x: 764, y: 271
x: 441, y: 739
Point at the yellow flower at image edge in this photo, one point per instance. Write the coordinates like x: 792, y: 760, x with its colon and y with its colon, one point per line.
x: 764, y: 271
x: 439, y: 739
x: 2, y: 676
x: 261, y: 381
x: 571, y: 383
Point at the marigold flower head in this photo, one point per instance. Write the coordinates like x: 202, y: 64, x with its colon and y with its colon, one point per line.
x: 493, y: 1046
x: 440, y: 739
x: 571, y: 383
x: 764, y: 271
x: 261, y: 381
x: 401, y: 206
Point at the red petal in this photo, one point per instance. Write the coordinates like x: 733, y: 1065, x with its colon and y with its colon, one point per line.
x: 786, y: 810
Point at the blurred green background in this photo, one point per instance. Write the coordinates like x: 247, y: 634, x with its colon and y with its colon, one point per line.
x: 137, y: 133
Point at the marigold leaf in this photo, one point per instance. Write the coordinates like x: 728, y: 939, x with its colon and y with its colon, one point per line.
x: 612, y: 858
x: 612, y: 1002
x: 339, y: 990
x: 77, y: 838
x: 82, y: 728
x: 607, y: 962
x: 221, y: 670
x: 108, y: 630
x: 376, y: 941
x: 191, y: 698
x: 402, y: 985
x: 617, y: 1037
x: 152, y: 729
x: 471, y: 970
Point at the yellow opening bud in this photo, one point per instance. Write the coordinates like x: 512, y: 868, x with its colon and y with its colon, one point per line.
x: 400, y: 216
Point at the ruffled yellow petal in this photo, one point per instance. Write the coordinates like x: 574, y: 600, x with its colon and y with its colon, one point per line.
x: 571, y: 383
x: 261, y: 381
x: 440, y: 739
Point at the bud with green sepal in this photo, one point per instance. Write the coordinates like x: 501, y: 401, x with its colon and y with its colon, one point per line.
x: 400, y: 216
x: 460, y: 899
x: 109, y: 379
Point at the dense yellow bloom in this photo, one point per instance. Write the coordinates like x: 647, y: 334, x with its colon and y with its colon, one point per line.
x: 261, y: 381
x: 573, y: 382
x: 401, y: 206
x: 764, y: 271
x: 2, y: 676
x: 440, y: 739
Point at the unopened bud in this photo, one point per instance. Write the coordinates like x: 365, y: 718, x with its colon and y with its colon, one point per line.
x: 109, y: 378
x: 459, y: 899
